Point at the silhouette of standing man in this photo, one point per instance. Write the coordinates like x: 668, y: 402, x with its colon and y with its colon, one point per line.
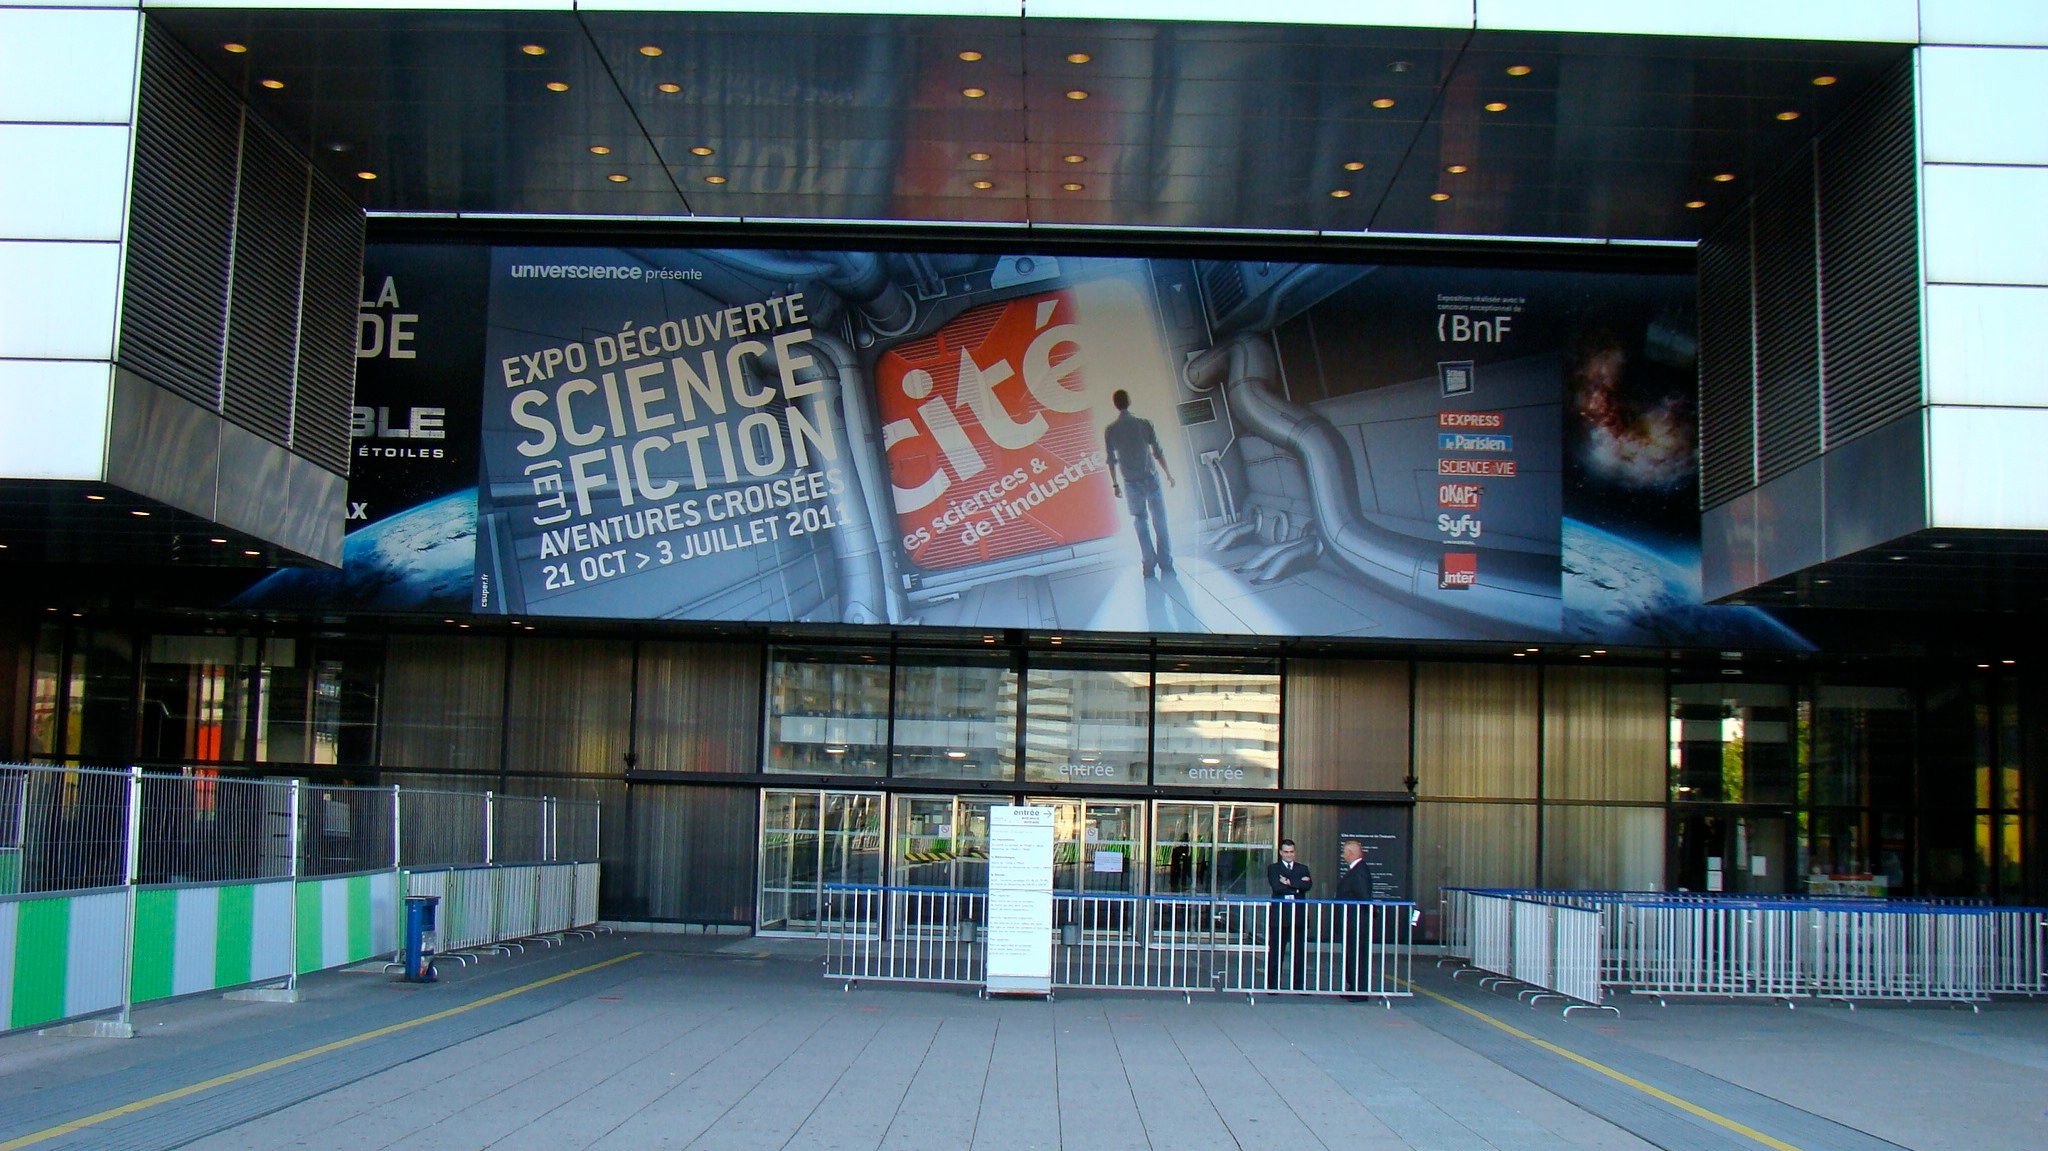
x: 1133, y: 449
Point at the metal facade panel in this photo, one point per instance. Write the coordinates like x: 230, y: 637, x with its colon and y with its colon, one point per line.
x: 1727, y: 363
x: 263, y: 302
x: 327, y: 327
x: 1787, y: 324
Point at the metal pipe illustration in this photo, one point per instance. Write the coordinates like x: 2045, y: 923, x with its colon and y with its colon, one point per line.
x: 1512, y: 587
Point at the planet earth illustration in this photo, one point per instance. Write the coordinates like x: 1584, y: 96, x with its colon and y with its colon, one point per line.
x: 422, y: 559
x: 1621, y: 591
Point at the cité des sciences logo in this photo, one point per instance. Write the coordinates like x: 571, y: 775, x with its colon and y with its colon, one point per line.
x: 1458, y: 571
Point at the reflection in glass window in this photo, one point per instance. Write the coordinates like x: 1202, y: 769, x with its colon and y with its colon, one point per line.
x: 956, y: 715
x: 1217, y: 724
x: 828, y: 712
x: 1733, y: 743
x: 1086, y: 721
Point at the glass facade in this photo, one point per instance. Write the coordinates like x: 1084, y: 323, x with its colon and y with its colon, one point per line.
x: 828, y: 712
x: 1088, y: 720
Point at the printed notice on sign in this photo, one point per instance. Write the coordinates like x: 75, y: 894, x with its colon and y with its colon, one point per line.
x: 1020, y: 900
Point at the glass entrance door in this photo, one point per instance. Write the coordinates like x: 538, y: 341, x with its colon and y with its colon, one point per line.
x: 1212, y: 849
x: 1097, y: 845
x: 810, y: 839
x: 940, y: 840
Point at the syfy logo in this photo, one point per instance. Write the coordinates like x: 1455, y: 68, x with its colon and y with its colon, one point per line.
x: 1483, y: 421
x: 1458, y: 571
x: 1464, y: 442
x: 1459, y: 497
x: 1458, y: 527
x: 1475, y: 467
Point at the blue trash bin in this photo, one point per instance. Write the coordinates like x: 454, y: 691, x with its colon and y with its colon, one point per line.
x: 419, y: 951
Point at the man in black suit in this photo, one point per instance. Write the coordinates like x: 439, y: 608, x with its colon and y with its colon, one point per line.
x: 1289, y: 881
x: 1354, y: 883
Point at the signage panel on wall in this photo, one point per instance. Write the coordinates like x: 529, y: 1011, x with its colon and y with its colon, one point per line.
x: 1020, y: 846
x: 1074, y: 443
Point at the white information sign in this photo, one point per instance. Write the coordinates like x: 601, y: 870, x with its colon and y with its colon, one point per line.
x: 1020, y: 900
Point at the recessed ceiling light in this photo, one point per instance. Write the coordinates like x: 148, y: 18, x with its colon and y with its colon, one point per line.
x: 1439, y: 197
x: 139, y: 514
x: 1078, y: 57
x: 533, y: 49
x: 273, y: 85
x: 1457, y: 169
x: 1788, y: 114
x: 1723, y: 177
x: 1823, y: 81
x: 970, y: 55
x: 618, y: 177
x: 669, y: 88
x: 1071, y: 187
x: 956, y: 755
x: 1496, y: 106
x: 96, y: 499
x: 978, y: 157
x: 338, y: 146
x: 1076, y: 94
x: 983, y: 185
x: 217, y: 540
x: 1695, y: 203
x: 1898, y: 557
x: 2008, y: 662
x: 714, y: 179
x: 557, y: 86
x: 1354, y: 165
x: 1073, y: 158
x: 237, y: 49
x: 974, y: 93
x: 600, y: 150
x: 1518, y: 69
x: 1340, y: 193
x: 366, y: 174
x: 649, y: 50
x: 701, y: 150
x: 251, y: 552
x: 1823, y: 581
x: 1383, y: 102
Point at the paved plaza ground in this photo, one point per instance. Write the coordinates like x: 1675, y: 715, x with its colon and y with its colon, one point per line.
x: 637, y: 1041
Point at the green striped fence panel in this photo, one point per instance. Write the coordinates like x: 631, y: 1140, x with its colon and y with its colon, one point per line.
x: 193, y: 939
x: 347, y: 920
x: 62, y: 957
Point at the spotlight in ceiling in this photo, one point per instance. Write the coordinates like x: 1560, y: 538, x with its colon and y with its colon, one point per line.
x: 97, y: 499
x: 1383, y: 102
x: 1496, y: 106
x: 618, y: 177
x: 533, y: 49
x: 671, y: 89
x: 1078, y: 57
x: 1354, y: 165
x: 1457, y: 169
x: 1823, y: 81
x: 1518, y: 69
x: 983, y: 185
x: 1695, y: 203
x: 366, y: 174
x: 217, y: 540
x: 600, y: 150
x: 1340, y: 193
x: 1788, y: 115
x: 237, y: 49
x: 1073, y: 158
x: 701, y: 150
x: 974, y: 93
x: 1439, y: 197
x: 557, y: 86
x: 1070, y: 186
x: 714, y: 179
x: 979, y: 157
x: 970, y: 55
x: 1724, y: 177
x: 273, y: 85
x: 649, y: 50
x: 139, y: 514
x: 1076, y: 94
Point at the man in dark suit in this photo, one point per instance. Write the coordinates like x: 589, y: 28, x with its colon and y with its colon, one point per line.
x: 1354, y: 883
x: 1289, y: 880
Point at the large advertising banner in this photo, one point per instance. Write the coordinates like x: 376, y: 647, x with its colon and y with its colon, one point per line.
x: 1052, y: 443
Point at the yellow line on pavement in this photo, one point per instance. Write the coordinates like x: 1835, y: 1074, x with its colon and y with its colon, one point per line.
x: 1623, y: 1078
x: 94, y: 1120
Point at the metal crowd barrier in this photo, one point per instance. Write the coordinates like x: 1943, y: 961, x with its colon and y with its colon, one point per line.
x: 1582, y: 944
x: 1178, y: 944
